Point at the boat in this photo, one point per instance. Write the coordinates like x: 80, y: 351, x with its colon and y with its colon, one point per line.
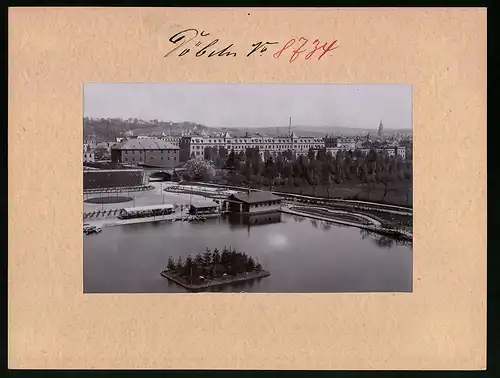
x: 92, y: 230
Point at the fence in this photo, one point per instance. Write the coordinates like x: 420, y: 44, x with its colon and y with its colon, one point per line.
x: 102, y: 213
x: 112, y: 212
x: 119, y: 190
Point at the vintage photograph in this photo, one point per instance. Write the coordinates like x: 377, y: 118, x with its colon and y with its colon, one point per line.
x: 247, y: 188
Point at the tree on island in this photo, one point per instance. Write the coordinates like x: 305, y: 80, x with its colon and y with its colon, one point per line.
x: 198, y: 259
x: 206, y: 259
x: 212, y: 264
x: 178, y: 265
x: 171, y: 264
x: 188, y: 267
x: 215, y: 260
x: 250, y: 264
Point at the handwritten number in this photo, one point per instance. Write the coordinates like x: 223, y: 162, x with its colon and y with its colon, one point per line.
x: 277, y: 54
x: 325, y: 47
x: 315, y: 43
x: 298, y: 51
x: 328, y: 49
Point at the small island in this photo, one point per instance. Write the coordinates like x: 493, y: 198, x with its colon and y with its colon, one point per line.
x: 213, y: 268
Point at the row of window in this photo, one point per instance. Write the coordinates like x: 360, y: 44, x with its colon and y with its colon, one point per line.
x: 229, y: 141
x: 265, y: 141
x: 150, y: 158
x: 271, y: 203
x: 141, y: 152
x: 281, y: 146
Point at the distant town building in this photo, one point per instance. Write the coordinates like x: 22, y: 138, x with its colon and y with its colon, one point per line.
x: 346, y: 144
x: 401, y: 151
x: 391, y: 151
x: 330, y: 142
x: 105, y: 145
x: 90, y: 144
x: 88, y: 157
x: 172, y: 140
x: 153, y: 152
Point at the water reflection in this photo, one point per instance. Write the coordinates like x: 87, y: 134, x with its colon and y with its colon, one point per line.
x: 302, y: 256
x: 383, y: 240
x: 253, y: 219
x: 326, y: 226
x: 234, y: 287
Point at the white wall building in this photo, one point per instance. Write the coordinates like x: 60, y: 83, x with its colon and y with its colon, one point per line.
x: 88, y: 157
x: 195, y: 145
x: 346, y: 144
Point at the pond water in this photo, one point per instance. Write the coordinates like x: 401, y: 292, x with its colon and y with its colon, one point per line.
x: 303, y: 255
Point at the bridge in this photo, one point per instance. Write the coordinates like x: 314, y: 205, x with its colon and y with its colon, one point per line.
x: 162, y: 174
x: 150, y: 173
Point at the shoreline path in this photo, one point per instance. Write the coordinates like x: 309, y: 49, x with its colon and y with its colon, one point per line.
x: 157, y: 196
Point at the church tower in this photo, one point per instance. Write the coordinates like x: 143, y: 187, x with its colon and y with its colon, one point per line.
x: 381, y: 130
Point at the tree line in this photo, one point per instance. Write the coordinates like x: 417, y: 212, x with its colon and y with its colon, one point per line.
x: 213, y: 263
x: 108, y: 129
x: 317, y: 167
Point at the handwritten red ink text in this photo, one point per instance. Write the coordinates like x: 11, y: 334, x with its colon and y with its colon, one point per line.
x: 302, y: 48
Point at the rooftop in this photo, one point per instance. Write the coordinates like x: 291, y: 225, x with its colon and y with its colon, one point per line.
x: 204, y: 205
x: 144, y: 144
x: 255, y: 197
x: 148, y: 208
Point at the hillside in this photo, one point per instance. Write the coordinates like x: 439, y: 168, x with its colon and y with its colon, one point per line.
x: 110, y: 128
x: 318, y: 131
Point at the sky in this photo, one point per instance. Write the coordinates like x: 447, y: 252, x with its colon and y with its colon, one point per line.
x: 254, y: 105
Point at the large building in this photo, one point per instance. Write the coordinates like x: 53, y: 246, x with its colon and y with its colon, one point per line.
x: 174, y: 140
x: 152, y: 152
x: 195, y: 145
